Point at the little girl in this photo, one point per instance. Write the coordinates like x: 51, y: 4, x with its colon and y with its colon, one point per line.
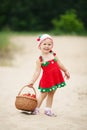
x: 52, y: 77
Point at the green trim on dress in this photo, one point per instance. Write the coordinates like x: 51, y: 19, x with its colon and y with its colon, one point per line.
x: 47, y: 62
x: 52, y: 88
x: 55, y: 59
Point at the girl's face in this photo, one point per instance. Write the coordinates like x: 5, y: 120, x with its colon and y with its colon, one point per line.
x: 46, y: 46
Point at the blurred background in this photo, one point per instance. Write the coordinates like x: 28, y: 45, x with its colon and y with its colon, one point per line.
x: 43, y: 15
x: 21, y: 21
x: 58, y: 17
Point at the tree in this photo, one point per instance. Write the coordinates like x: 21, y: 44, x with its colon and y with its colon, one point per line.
x: 68, y: 23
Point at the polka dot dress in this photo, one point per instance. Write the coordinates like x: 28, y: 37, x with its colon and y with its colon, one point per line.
x: 52, y: 77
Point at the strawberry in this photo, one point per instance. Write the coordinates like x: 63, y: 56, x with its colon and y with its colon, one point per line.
x: 33, y: 95
x: 28, y: 94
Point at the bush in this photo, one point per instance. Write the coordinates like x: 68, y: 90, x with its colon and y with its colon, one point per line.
x: 68, y: 23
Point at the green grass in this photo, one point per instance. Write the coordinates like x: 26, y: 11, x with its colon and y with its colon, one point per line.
x: 6, y: 47
x: 3, y: 40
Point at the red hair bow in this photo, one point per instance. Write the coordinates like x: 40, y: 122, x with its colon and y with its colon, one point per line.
x: 38, y: 39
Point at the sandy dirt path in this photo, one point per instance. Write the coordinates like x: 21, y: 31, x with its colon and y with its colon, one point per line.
x: 70, y: 102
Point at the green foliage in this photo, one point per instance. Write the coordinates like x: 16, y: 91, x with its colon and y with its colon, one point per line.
x: 5, y: 45
x: 68, y: 23
x: 6, y: 48
x: 36, y: 15
x: 3, y: 40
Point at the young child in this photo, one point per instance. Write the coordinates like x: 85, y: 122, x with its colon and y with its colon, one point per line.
x: 52, y: 77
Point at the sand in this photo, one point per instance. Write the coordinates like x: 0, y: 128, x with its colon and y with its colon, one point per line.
x: 70, y: 102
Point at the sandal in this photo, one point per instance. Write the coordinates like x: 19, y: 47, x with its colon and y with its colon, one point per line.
x: 36, y: 111
x: 49, y: 113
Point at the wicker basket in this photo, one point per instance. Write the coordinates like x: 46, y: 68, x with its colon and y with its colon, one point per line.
x: 24, y: 102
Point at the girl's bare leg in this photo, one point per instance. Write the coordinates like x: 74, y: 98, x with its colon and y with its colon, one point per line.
x: 49, y: 102
x: 50, y: 99
x: 40, y: 100
x: 42, y: 96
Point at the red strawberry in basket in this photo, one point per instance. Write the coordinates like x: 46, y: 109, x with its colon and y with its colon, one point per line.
x: 29, y: 94
x: 24, y: 94
x: 33, y: 96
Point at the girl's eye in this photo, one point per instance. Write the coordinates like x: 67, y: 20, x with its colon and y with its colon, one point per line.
x: 47, y: 44
x: 44, y: 43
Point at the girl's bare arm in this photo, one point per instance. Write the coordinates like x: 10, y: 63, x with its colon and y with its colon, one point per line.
x: 36, y: 73
x: 63, y: 68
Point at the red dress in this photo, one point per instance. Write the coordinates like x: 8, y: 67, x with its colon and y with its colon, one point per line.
x: 52, y: 77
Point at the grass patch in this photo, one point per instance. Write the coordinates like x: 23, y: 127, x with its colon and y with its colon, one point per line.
x: 6, y: 49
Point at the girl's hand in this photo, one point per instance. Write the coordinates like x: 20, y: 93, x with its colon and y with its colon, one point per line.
x: 67, y: 75
x: 30, y: 84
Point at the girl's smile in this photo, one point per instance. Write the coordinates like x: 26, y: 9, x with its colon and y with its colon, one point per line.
x: 46, y: 46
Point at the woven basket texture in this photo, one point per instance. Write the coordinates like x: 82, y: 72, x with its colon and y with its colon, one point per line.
x: 24, y: 102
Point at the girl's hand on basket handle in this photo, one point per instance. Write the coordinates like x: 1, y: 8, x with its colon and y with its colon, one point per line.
x: 30, y: 84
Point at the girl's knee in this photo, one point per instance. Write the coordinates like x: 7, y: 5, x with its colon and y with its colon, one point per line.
x: 43, y: 94
x: 51, y: 93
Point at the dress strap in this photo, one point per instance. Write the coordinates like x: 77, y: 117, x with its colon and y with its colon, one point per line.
x: 40, y: 58
x: 54, y: 54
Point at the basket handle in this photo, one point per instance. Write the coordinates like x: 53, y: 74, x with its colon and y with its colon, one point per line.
x: 25, y: 87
